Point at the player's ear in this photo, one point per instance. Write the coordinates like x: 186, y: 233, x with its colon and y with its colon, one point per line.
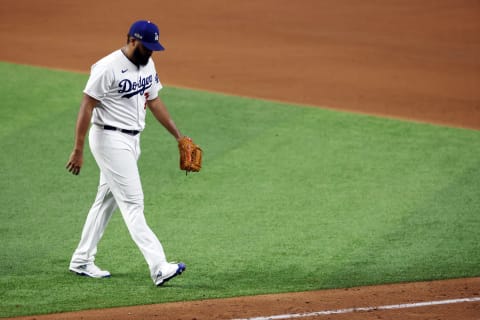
x: 131, y: 39
x: 135, y: 41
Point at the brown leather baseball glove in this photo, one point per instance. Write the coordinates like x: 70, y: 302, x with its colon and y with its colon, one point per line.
x: 190, y: 155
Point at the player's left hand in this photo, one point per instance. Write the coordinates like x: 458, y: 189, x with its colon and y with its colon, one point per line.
x: 75, y: 162
x: 190, y: 155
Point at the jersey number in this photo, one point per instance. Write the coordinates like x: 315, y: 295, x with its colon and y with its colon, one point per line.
x: 146, y: 99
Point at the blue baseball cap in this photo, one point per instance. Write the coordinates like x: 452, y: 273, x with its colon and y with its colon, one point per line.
x: 148, y: 33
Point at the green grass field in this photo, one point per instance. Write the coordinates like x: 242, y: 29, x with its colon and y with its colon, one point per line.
x: 290, y: 198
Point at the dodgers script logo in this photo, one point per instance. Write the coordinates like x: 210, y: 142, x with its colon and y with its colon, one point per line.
x: 132, y: 88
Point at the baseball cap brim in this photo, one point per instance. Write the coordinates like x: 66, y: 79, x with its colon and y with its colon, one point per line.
x: 154, y: 46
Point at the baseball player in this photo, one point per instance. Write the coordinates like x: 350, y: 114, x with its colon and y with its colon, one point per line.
x: 120, y: 88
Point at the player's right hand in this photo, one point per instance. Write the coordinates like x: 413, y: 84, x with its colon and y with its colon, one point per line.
x: 75, y: 162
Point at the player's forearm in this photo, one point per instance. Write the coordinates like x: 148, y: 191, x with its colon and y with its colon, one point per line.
x: 160, y: 112
x: 83, y: 122
x: 171, y: 127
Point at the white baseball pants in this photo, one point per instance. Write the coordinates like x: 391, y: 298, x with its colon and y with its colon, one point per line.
x: 116, y: 154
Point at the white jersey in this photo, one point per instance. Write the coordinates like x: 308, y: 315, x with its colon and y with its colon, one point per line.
x: 123, y: 90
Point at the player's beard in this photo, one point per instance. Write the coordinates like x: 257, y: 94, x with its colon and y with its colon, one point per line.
x: 139, y: 57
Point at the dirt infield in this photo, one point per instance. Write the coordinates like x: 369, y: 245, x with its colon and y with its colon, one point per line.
x: 400, y: 58
x: 407, y: 59
x: 326, y: 304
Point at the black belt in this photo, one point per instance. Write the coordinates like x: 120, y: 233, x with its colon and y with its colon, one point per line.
x: 130, y: 132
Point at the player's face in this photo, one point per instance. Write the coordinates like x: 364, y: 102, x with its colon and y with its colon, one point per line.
x: 141, y: 54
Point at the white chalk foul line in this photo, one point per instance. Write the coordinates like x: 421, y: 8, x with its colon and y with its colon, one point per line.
x: 350, y: 310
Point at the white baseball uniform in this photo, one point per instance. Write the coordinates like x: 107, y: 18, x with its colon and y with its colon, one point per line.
x: 123, y: 90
